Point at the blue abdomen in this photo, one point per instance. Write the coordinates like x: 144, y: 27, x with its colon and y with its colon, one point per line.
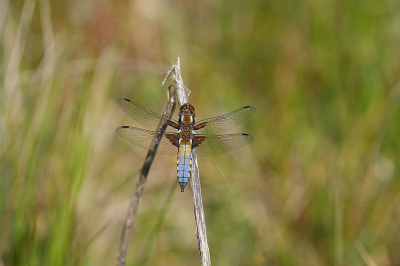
x: 184, y: 164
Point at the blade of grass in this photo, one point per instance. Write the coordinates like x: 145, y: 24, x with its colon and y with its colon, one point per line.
x: 159, y: 222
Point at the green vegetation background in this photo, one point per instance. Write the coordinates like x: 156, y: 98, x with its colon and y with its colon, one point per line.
x: 319, y: 186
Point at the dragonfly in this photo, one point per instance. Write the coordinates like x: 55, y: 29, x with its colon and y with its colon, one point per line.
x: 188, y: 135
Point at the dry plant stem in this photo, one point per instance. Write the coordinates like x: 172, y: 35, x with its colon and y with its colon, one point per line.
x: 199, y: 213
x: 201, y: 231
x: 133, y: 207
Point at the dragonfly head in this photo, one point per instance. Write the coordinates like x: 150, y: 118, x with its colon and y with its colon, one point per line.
x: 187, y: 107
x: 187, y: 113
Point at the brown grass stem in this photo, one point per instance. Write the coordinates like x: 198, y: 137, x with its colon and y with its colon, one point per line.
x: 133, y: 207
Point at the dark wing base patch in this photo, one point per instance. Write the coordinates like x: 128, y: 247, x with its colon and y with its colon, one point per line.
x: 173, y: 138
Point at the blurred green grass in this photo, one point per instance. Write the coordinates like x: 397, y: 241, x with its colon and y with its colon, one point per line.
x: 319, y: 186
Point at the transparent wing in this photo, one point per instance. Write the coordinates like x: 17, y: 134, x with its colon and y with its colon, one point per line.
x: 145, y: 117
x: 226, y: 122
x: 144, y: 138
x: 218, y: 144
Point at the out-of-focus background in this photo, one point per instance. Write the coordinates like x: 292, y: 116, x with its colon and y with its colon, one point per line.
x: 319, y: 186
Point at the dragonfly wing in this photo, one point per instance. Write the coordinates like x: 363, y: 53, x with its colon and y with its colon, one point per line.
x: 145, y: 117
x: 224, y: 122
x: 212, y: 145
x: 144, y: 138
